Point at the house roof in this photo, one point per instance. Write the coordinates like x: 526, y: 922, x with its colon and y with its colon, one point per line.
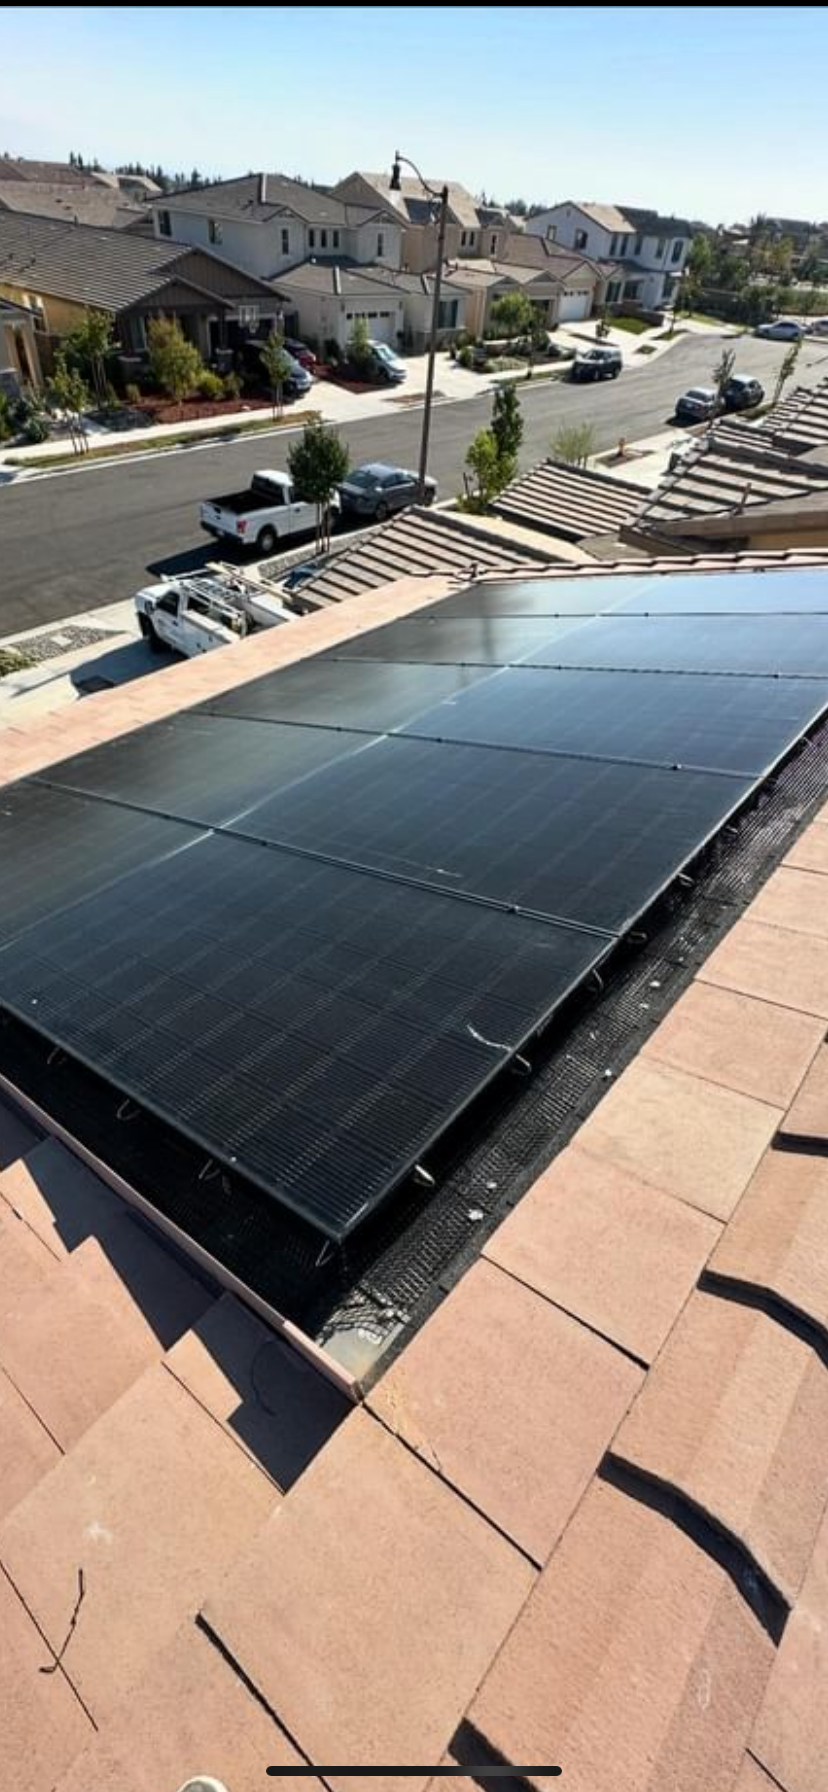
x: 21, y: 168
x: 654, y: 223
x: 610, y: 217
x: 726, y: 476
x: 482, y: 271
x: 89, y: 203
x: 570, y: 501
x: 674, y: 1540
x: 417, y: 543
x: 415, y: 204
x: 343, y: 277
x: 113, y: 269
x: 263, y: 196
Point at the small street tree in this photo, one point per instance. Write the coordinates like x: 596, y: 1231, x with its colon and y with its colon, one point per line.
x: 175, y: 363
x: 87, y: 346
x: 787, y: 368
x: 318, y: 463
x: 512, y: 315
x: 359, y: 346
x: 69, y: 393
x: 484, y: 463
x: 507, y: 423
x: 722, y: 374
x: 574, y: 443
x: 276, y: 363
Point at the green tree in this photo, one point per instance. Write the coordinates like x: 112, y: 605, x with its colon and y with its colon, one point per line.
x: 722, y: 373
x: 485, y: 464
x: 359, y: 346
x: 70, y: 394
x: 87, y: 346
x: 175, y: 364
x: 787, y: 368
x: 574, y: 443
x: 318, y: 463
x: 512, y: 315
x: 507, y: 423
x: 276, y: 363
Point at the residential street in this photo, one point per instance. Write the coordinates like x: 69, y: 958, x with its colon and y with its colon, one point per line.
x: 76, y: 541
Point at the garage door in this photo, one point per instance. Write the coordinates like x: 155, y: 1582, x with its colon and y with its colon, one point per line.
x: 573, y: 305
x: 381, y: 327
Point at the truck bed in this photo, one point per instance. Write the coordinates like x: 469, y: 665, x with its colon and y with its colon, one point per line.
x: 241, y: 503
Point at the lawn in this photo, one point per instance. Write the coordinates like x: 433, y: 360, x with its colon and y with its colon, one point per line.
x: 162, y: 444
x: 635, y: 325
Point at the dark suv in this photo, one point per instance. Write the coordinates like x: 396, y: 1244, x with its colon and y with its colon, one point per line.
x: 597, y: 364
x: 742, y: 393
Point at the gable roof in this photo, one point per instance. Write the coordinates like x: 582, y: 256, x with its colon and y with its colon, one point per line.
x: 263, y: 197
x: 415, y: 204
x: 609, y: 217
x: 653, y: 223
x: 112, y: 269
x: 417, y: 543
x: 574, y: 502
x: 725, y: 476
x: 74, y: 203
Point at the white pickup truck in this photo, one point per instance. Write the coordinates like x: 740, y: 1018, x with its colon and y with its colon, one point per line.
x: 201, y: 611
x: 262, y: 515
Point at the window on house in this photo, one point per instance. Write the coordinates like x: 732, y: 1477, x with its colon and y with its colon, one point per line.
x: 311, y: 239
x: 214, y: 230
x: 639, y: 244
x: 164, y: 224
x: 677, y: 248
x: 285, y: 242
x: 323, y: 239
x: 493, y: 243
x: 660, y: 247
x: 551, y: 232
x: 613, y: 292
x: 581, y: 239
x: 447, y: 314
x: 380, y: 243
x: 335, y: 238
x: 614, y: 246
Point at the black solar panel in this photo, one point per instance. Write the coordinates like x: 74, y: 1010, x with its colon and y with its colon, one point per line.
x: 715, y: 723
x: 316, y: 1026
x: 422, y: 849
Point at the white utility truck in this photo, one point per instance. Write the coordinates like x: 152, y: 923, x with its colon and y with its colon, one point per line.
x: 200, y: 611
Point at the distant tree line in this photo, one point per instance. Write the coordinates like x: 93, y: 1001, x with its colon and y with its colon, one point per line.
x: 167, y: 181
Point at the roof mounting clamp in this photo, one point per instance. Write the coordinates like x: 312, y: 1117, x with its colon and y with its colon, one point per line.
x: 423, y: 1177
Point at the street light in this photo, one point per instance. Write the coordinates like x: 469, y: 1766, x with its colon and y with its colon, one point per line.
x: 441, y: 196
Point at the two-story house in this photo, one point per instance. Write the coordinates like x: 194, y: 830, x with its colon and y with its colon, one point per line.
x: 649, y: 250
x: 417, y: 213
x: 267, y: 223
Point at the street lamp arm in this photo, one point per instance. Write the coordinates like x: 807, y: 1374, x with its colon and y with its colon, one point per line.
x: 434, y: 192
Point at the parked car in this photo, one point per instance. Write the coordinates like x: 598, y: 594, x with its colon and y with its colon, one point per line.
x: 742, y: 393
x: 597, y: 364
x: 388, y: 365
x: 819, y: 327
x: 376, y: 489
x: 299, y: 380
x: 305, y: 356
x: 786, y: 329
x: 696, y: 406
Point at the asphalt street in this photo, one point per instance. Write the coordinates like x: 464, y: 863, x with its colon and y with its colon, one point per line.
x: 78, y: 540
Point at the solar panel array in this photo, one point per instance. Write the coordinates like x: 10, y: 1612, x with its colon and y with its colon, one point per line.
x: 307, y: 923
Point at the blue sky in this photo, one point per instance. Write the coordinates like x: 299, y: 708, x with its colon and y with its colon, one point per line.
x: 710, y: 111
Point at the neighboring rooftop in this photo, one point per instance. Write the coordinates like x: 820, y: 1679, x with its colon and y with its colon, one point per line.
x: 573, y: 502
x: 727, y: 475
x: 265, y: 196
x: 414, y: 203
x: 419, y: 543
x: 654, y: 223
x: 74, y: 203
x: 110, y: 268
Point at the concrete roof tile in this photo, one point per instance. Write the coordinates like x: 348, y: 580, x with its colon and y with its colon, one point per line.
x: 806, y: 1122
x: 26, y: 1449
x: 61, y: 1201
x: 491, y: 1378
x: 153, y: 1501
x: 778, y: 1237
x: 589, y: 1236
x: 734, y: 1415
x: 273, y: 1402
x: 777, y: 964
x: 190, y: 1713
x: 810, y: 851
x: 686, y: 1136
x: 791, y: 1732
x: 369, y: 1608
x: 753, y: 1778
x: 752, y: 1047
x: 791, y: 898
x: 636, y: 1665
x: 42, y: 1724
x: 74, y: 1346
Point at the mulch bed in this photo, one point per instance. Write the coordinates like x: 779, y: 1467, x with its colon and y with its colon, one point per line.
x: 161, y: 410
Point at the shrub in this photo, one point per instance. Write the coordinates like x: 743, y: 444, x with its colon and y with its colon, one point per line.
x: 210, y: 385
x: 36, y: 429
x: 333, y: 352
x: 466, y: 355
x: 232, y: 385
x: 5, y: 418
x: 132, y: 394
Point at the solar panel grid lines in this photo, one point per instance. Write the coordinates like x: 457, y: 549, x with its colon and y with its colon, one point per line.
x: 308, y: 922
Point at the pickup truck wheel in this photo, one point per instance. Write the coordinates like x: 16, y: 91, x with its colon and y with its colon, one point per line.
x: 266, y: 541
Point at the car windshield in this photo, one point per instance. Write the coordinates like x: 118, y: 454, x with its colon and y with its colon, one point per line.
x: 700, y: 393
x: 384, y: 352
x: 364, y: 476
